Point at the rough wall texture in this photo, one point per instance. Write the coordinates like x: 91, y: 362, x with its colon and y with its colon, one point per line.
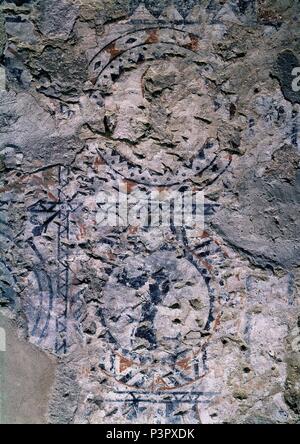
x: 153, y: 325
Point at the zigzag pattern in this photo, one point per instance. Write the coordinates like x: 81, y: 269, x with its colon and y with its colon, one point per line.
x: 192, y: 15
x: 205, y: 159
x: 170, y: 14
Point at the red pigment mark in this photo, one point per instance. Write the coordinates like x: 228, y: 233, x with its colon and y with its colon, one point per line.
x: 94, y: 79
x: 194, y: 43
x: 97, y: 163
x: 51, y: 196
x: 185, y: 364
x: 207, y: 265
x: 133, y: 230
x: 82, y: 229
x: 130, y: 185
x: 159, y: 383
x: 153, y: 37
x: 110, y: 256
x: 124, y: 364
x: 218, y: 321
x: 113, y: 51
x: 221, y: 246
x: 205, y: 235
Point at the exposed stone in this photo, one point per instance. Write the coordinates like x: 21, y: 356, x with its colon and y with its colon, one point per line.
x: 292, y: 393
x: 269, y: 202
x: 65, y: 395
x: 57, y: 18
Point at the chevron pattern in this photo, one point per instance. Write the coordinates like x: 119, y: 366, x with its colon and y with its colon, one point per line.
x: 169, y: 14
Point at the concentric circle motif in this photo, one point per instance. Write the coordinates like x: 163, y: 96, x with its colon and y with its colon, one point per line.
x: 158, y: 108
x: 159, y: 312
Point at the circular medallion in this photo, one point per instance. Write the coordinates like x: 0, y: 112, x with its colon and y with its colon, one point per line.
x: 159, y: 108
x: 158, y: 311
